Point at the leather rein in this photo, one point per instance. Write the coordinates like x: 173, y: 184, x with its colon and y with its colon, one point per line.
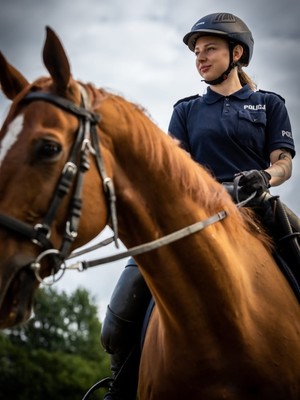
x: 86, y: 144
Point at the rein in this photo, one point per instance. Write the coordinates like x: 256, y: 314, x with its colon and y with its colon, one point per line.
x: 86, y: 143
x: 149, y: 246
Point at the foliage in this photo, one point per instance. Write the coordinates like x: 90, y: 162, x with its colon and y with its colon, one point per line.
x: 57, y: 354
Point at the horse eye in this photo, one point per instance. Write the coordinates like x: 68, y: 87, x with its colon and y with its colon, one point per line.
x: 48, y: 149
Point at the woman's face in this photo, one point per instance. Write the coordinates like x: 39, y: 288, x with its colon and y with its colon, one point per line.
x: 212, y: 56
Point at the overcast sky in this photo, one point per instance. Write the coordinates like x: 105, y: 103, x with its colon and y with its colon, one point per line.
x: 135, y: 48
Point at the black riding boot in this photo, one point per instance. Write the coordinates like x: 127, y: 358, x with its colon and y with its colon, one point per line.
x: 121, y: 331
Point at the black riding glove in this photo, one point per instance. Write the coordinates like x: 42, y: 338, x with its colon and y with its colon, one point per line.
x: 254, y: 181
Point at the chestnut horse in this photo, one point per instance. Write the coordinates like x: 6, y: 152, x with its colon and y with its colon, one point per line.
x: 226, y: 324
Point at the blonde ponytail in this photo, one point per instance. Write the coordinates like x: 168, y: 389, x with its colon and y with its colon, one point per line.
x: 245, y: 79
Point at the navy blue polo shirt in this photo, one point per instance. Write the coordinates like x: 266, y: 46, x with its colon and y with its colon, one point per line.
x: 232, y: 134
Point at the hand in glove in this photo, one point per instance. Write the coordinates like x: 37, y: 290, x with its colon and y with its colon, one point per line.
x: 254, y: 180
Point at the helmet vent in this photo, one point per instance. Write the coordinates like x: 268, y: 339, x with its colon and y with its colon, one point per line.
x: 224, y: 17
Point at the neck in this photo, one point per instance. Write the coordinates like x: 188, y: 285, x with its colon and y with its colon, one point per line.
x: 230, y: 86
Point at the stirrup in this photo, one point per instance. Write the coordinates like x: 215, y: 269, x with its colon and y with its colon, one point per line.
x: 104, y: 383
x: 112, y: 394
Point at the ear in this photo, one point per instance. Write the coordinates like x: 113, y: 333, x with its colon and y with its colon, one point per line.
x: 237, y: 52
x: 12, y: 81
x: 56, y: 61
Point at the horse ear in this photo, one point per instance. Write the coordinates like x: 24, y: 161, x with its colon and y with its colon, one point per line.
x: 56, y: 61
x: 11, y: 80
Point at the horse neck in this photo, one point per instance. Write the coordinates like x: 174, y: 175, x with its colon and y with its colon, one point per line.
x: 193, y: 274
x: 152, y: 202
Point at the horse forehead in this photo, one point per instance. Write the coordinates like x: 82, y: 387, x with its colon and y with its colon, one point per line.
x: 13, y: 131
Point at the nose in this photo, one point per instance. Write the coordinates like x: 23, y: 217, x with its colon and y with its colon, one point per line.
x: 200, y: 56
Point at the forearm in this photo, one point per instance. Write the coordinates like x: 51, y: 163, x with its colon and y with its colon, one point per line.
x: 281, y: 167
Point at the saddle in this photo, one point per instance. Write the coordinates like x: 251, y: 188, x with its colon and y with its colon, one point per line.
x: 282, y: 224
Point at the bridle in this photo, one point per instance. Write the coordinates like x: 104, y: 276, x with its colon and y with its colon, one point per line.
x: 86, y: 144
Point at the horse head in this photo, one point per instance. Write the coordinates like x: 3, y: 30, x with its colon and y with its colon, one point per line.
x: 44, y: 156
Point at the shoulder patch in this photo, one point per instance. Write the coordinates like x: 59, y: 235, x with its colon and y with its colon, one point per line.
x: 276, y: 94
x: 189, y: 98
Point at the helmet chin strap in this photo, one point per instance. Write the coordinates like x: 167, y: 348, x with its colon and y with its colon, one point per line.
x: 224, y: 75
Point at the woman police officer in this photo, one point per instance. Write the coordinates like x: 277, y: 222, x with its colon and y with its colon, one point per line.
x: 233, y: 128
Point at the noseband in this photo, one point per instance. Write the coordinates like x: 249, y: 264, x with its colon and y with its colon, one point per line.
x: 86, y: 143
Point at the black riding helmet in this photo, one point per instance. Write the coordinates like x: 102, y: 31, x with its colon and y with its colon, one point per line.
x: 229, y: 27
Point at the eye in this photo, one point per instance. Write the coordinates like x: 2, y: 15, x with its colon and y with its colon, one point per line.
x: 47, y: 150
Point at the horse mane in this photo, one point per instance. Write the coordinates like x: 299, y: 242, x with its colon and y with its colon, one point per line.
x: 165, y: 155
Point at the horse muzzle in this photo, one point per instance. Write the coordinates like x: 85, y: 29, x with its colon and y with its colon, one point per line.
x: 17, y: 290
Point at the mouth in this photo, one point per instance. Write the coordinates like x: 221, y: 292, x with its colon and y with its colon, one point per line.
x: 204, y: 69
x: 17, y: 293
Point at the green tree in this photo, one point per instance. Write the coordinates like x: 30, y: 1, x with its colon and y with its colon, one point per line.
x: 57, y: 354
x: 61, y: 322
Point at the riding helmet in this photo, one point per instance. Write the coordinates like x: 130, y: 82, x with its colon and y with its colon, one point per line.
x: 224, y: 25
